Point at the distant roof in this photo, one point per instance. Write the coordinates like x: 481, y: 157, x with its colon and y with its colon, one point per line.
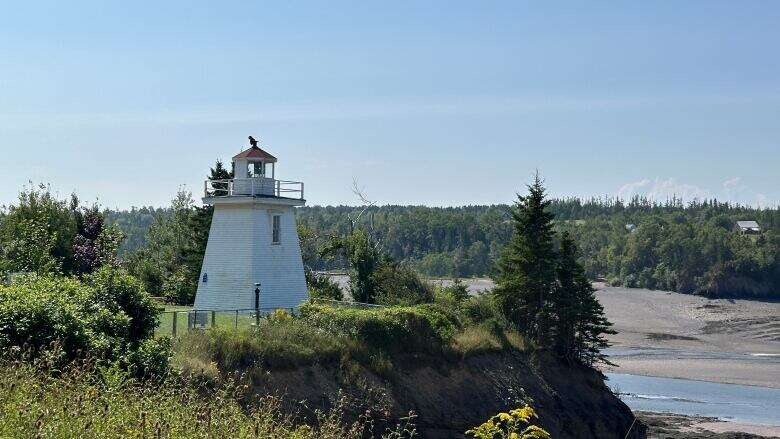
x: 747, y: 224
x: 255, y: 153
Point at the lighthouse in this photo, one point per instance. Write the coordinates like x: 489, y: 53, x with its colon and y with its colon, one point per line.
x: 253, y: 256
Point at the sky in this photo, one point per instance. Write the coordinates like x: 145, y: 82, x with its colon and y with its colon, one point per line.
x: 437, y: 102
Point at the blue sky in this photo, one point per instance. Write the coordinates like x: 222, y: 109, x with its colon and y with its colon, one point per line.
x: 438, y: 103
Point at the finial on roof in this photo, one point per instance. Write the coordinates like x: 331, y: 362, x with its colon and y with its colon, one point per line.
x: 253, y: 142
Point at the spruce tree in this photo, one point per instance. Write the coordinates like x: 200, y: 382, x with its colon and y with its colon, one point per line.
x: 527, y: 265
x: 564, y: 302
x: 577, y: 318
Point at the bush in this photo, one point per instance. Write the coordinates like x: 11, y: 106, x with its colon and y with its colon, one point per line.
x: 38, y: 312
x: 483, y: 308
x: 322, y: 287
x: 151, y: 358
x: 178, y: 287
x: 397, y: 284
x: 106, y: 317
x: 392, y: 329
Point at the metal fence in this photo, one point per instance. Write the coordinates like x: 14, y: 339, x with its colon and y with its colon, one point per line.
x: 174, y: 323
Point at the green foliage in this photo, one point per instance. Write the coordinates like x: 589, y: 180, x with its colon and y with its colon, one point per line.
x: 458, y: 291
x: 275, y: 344
x: 322, y: 287
x: 527, y: 265
x: 421, y: 328
x: 397, y: 284
x: 691, y: 250
x: 515, y: 424
x: 373, y: 276
x: 363, y: 256
x: 546, y: 294
x: 169, y: 265
x: 109, y: 403
x: 106, y: 317
x: 37, y: 233
x: 44, y: 235
x: 578, y: 324
x: 38, y: 312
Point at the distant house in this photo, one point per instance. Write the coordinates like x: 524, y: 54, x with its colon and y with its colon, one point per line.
x: 747, y: 227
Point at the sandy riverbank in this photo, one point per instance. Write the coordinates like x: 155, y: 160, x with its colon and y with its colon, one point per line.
x: 681, y: 336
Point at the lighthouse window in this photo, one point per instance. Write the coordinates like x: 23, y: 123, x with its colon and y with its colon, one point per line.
x: 277, y: 230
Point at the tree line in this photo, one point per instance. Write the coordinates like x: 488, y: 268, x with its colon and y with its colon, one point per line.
x: 685, y: 247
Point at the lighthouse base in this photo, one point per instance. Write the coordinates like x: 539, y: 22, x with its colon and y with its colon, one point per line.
x: 247, y: 245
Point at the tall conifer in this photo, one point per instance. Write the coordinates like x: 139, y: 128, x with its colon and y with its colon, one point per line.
x: 527, y: 265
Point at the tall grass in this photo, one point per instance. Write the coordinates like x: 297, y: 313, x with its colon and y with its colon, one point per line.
x: 106, y: 403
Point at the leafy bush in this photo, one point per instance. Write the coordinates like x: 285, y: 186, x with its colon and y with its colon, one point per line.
x: 107, y: 316
x: 397, y: 284
x: 39, y: 312
x: 322, y: 287
x: 392, y: 329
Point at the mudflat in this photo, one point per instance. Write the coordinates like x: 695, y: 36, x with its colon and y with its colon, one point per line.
x: 682, y: 336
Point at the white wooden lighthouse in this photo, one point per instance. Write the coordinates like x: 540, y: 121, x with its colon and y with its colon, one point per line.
x: 253, y: 241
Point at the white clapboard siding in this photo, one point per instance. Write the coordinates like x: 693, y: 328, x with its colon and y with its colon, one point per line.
x: 240, y: 253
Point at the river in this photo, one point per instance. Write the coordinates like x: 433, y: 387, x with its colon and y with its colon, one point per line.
x: 730, y: 402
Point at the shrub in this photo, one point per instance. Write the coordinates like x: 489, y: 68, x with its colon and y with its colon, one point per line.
x: 123, y: 294
x: 151, y: 358
x: 322, y: 287
x: 178, y: 287
x: 397, y: 284
x: 106, y: 317
x: 483, y: 308
x: 392, y: 329
x: 458, y: 290
x: 38, y: 312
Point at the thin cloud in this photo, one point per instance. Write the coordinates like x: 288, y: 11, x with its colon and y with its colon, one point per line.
x: 661, y: 189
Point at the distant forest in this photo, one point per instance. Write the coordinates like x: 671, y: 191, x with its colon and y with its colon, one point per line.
x: 686, y: 247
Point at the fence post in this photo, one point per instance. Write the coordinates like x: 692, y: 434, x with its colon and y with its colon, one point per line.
x: 213, y: 318
x: 173, y: 329
x: 236, y: 319
x: 257, y: 304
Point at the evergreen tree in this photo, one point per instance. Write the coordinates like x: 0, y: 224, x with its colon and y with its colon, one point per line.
x: 527, y: 265
x: 564, y: 302
x: 577, y: 318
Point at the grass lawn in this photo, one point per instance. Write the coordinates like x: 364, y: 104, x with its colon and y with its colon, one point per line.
x: 206, y: 319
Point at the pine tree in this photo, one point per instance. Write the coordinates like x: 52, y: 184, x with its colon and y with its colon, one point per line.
x: 564, y: 302
x: 527, y: 265
x: 577, y: 318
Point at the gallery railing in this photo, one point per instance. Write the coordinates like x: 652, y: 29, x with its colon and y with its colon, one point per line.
x: 253, y: 187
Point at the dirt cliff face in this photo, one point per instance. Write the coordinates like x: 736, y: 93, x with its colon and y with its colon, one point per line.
x: 450, y: 397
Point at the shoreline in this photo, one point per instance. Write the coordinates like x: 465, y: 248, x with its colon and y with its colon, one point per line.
x: 699, y: 427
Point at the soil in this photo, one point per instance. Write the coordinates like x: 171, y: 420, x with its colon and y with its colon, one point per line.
x: 447, y: 397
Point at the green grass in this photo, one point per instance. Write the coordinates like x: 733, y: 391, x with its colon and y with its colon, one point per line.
x: 370, y: 338
x: 221, y: 319
x: 106, y: 404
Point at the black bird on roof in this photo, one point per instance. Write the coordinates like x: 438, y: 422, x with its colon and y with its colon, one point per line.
x: 253, y: 142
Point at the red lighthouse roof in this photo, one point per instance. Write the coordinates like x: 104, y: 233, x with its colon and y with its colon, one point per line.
x: 256, y: 153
